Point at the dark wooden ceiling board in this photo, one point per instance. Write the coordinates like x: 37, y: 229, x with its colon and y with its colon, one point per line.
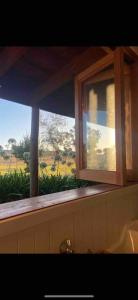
x: 61, y: 101
x: 43, y: 59
x: 9, y: 56
x: 36, y: 66
x: 68, y: 72
x: 31, y: 71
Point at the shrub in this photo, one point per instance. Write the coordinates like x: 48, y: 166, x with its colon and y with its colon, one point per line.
x: 16, y: 186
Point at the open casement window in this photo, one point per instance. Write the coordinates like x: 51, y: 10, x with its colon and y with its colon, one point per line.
x: 105, y: 119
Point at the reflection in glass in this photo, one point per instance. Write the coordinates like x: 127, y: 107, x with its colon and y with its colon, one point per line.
x: 99, y: 126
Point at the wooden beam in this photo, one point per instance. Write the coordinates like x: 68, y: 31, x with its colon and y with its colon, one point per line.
x: 96, y: 67
x: 78, y: 64
x: 9, y: 56
x: 135, y: 49
x: 130, y: 53
x: 108, y: 50
x: 34, y: 152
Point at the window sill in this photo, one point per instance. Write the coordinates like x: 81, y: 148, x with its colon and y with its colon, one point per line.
x: 16, y: 208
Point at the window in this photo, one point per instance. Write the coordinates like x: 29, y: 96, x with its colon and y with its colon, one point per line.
x: 99, y: 125
x: 103, y: 111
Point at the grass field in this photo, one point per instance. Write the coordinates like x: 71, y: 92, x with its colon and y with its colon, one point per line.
x: 14, y: 164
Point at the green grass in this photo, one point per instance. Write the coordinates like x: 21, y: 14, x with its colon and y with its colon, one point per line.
x: 15, y: 186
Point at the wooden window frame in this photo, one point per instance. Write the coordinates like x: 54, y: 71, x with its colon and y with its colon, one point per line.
x: 118, y: 177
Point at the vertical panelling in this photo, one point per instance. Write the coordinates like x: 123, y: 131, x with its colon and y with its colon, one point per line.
x: 42, y: 238
x: 9, y: 244
x: 121, y: 209
x: 83, y: 230
x: 99, y: 226
x: 60, y: 229
x: 116, y: 210
x: 26, y: 241
x: 95, y: 226
x: 134, y: 203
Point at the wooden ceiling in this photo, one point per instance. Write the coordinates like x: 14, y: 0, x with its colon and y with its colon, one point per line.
x: 24, y: 69
x: 33, y: 75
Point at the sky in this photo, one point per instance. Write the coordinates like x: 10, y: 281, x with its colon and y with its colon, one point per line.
x: 15, y: 121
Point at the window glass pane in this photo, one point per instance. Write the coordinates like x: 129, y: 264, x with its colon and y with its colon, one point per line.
x: 99, y: 125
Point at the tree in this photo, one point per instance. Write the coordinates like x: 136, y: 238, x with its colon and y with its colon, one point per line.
x: 2, y: 153
x: 22, y: 150
x: 23, y: 146
x: 51, y: 131
x: 55, y: 136
x: 6, y: 157
x: 1, y: 150
x: 12, y: 141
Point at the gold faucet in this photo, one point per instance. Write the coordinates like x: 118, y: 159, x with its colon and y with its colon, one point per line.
x: 66, y: 247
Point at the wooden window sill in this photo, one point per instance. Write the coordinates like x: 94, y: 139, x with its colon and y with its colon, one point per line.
x: 19, y: 207
x: 16, y: 208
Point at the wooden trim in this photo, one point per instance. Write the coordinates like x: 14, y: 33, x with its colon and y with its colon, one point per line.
x: 96, y: 67
x: 120, y: 116
x: 128, y: 122
x: 120, y: 69
x: 105, y: 75
x: 34, y: 152
x: 134, y: 119
x: 83, y: 133
x: 79, y: 106
x: 78, y: 126
x: 98, y: 175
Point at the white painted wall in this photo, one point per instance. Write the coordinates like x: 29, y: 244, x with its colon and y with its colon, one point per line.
x: 92, y: 223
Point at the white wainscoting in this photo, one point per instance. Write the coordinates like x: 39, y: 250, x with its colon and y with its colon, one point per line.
x: 92, y: 223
